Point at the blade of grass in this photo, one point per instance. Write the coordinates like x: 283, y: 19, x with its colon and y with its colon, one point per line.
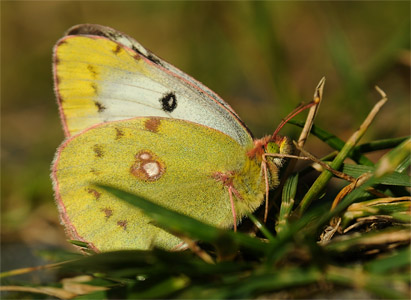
x: 131, y: 263
x: 401, y: 259
x: 163, y: 289
x: 370, y: 240
x: 379, y: 285
x: 261, y: 227
x: 403, y: 167
x: 334, y: 142
x: 326, y: 175
x: 388, y: 163
x: 50, y: 291
x: 288, y: 199
x: 394, y: 178
x: 394, y: 207
x: 381, y: 144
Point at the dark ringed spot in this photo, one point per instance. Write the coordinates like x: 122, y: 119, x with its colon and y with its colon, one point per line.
x: 100, y: 107
x: 136, y: 57
x: 152, y: 124
x: 147, y: 166
x: 168, y: 102
x: 94, y: 193
x: 119, y: 133
x: 122, y: 223
x: 98, y: 150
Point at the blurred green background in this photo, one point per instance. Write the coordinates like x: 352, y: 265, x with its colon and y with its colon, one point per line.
x: 263, y: 58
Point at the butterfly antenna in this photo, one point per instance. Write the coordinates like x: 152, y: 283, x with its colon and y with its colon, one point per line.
x: 291, y: 115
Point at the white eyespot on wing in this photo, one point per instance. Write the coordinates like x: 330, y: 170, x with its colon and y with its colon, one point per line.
x: 152, y: 169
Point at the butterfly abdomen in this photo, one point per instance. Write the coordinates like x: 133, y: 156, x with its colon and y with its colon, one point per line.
x: 250, y: 186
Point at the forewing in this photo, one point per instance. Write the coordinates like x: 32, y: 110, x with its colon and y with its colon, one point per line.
x: 102, y: 75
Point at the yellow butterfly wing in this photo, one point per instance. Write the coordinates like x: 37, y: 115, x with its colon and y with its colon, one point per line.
x: 175, y: 163
x: 102, y: 75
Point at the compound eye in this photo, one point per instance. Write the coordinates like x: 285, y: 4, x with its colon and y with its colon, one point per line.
x: 272, y: 147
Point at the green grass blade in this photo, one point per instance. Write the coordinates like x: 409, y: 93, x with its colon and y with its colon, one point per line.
x: 326, y: 175
x: 390, y: 161
x: 381, y: 144
x: 264, y: 230
x: 377, y: 284
x: 404, y: 165
x: 288, y: 199
x: 396, y: 208
x: 394, y: 178
x: 386, y: 165
x: 162, y: 289
x: 335, y: 142
x: 398, y: 260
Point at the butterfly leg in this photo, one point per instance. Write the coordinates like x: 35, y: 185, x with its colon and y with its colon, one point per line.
x: 227, y: 180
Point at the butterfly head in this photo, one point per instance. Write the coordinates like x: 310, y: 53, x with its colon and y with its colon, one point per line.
x: 276, y: 147
x: 270, y: 146
x: 269, y: 151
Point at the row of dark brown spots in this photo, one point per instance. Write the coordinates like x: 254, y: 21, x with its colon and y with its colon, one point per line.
x: 60, y: 99
x: 119, y: 133
x: 93, y: 71
x: 152, y: 124
x: 57, y: 79
x: 108, y: 212
x: 138, y: 54
x: 56, y: 60
x: 122, y: 223
x: 117, y: 50
x: 95, y: 193
x: 94, y: 87
x: 99, y: 105
x: 98, y: 151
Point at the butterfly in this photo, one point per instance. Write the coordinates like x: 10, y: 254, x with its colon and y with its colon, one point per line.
x: 135, y: 122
